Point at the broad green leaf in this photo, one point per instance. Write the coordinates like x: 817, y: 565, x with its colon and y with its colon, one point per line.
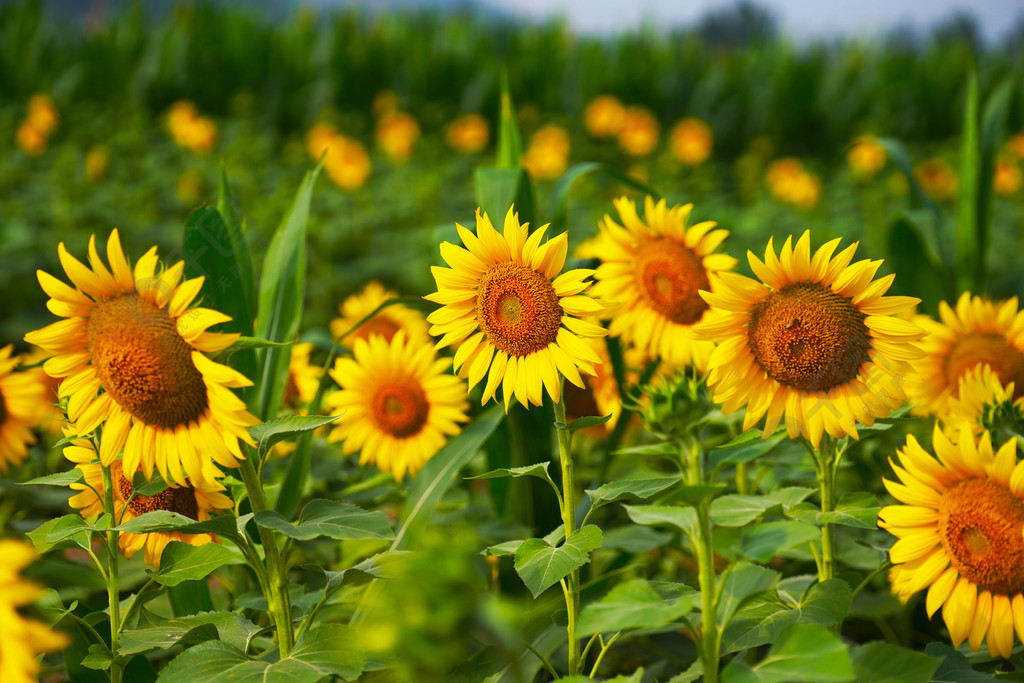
x: 738, y: 584
x: 269, y: 433
x: 803, y: 653
x: 499, y: 189
x: 540, y: 565
x: 331, y: 519
x: 739, y: 510
x: 880, y: 662
x: 165, y: 520
x: 662, y: 449
x: 229, y: 627
x: 184, y: 562
x: 954, y: 667
x: 502, y: 549
x: 62, y: 479
x: 280, y: 298
x: 694, y: 494
x: 760, y: 623
x: 633, y: 538
x: 764, y: 541
x: 856, y: 509
x: 99, y: 658
x: 632, y: 605
x: 586, y: 422
x: 746, y: 447
x: 62, y: 532
x: 143, y: 487
x: 439, y: 473
x: 630, y: 488
x: 684, y: 518
x: 790, y: 496
x: 214, y: 662
x: 539, y: 470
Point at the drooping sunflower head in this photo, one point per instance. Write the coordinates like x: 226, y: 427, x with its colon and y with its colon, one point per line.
x: 130, y: 354
x: 654, y: 268
x: 398, y: 403
x: 815, y: 340
x: 22, y: 404
x: 960, y: 535
x: 386, y: 322
x: 514, y: 319
x: 977, y: 332
x: 22, y: 640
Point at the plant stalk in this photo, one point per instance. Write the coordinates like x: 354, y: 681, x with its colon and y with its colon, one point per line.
x: 572, y: 582
x: 710, y: 636
x: 113, y: 588
x: 828, y: 462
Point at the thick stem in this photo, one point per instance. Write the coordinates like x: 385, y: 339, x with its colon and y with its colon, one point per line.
x: 741, y: 478
x: 827, y: 464
x: 276, y: 591
x: 572, y: 582
x: 710, y: 636
x: 113, y: 589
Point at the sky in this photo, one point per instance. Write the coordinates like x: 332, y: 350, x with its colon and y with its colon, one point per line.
x: 799, y: 19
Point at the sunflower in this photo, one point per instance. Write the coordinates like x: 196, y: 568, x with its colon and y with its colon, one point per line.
x: 654, y: 267
x: 976, y: 332
x: 386, y: 322
x: 398, y: 403
x: 960, y: 535
x: 508, y: 310
x: 193, y: 501
x: 983, y: 401
x: 22, y: 400
x: 133, y: 336
x: 21, y: 639
x: 815, y: 340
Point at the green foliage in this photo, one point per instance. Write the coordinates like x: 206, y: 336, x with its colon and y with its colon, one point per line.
x: 331, y: 519
x: 541, y: 565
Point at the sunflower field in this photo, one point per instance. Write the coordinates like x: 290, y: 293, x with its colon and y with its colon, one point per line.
x: 417, y: 346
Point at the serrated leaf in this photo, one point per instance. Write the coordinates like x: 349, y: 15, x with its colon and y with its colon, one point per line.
x: 539, y: 470
x: 62, y: 479
x: 739, y: 510
x: 99, y: 658
x: 764, y: 541
x: 230, y: 627
x: 684, y: 518
x: 66, y: 531
x: 630, y: 488
x: 880, y: 662
x: 183, y: 562
x: 586, y: 422
x: 502, y: 549
x: 269, y: 433
x: 330, y: 519
x: 744, y: 448
x: 824, y: 604
x: 167, y: 520
x: 632, y: 605
x: 634, y: 539
x: 738, y: 585
x: 790, y: 495
x: 857, y: 509
x: 804, y: 653
x: 954, y: 667
x: 540, y: 565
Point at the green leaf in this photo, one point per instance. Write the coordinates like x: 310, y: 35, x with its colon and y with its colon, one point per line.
x: 280, y: 297
x: 738, y: 585
x: 804, y: 653
x: 954, y: 667
x: 968, y: 258
x: 510, y: 147
x: 856, y: 509
x: 694, y: 494
x: 764, y: 541
x: 144, y: 487
x: 166, y: 520
x: 632, y: 605
x: 269, y: 433
x: 662, y: 449
x: 62, y: 479
x: 331, y: 519
x: 540, y: 565
x: 99, y: 658
x: 257, y: 343
x: 560, y: 194
x: 746, y: 447
x: 499, y: 189
x: 880, y: 662
x: 634, y: 539
x: 912, y: 255
x: 183, y: 562
x: 230, y: 627
x: 438, y: 474
x: 739, y: 510
x: 630, y: 488
x: 586, y: 422
x: 63, y: 532
x: 993, y: 122
x: 790, y: 496
x: 684, y: 518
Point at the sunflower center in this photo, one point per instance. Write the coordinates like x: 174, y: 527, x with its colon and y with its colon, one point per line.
x: 1005, y: 360
x: 807, y: 337
x: 143, y: 363
x: 400, y: 409
x: 518, y: 309
x: 669, y: 275
x: 181, y: 500
x: 980, y: 525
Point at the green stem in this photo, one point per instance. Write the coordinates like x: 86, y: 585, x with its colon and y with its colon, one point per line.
x: 604, y: 648
x: 276, y: 590
x: 711, y: 636
x: 741, y: 478
x: 572, y: 582
x: 828, y: 462
x: 113, y: 589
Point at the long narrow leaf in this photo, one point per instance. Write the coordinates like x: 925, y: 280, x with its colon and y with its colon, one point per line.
x: 993, y: 123
x: 967, y: 247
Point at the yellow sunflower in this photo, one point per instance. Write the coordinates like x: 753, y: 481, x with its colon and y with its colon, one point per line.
x: 983, y: 401
x: 976, y: 332
x: 386, y: 322
x: 508, y: 310
x: 959, y: 534
x: 654, y: 267
x: 195, y: 502
x: 398, y: 403
x: 133, y: 336
x: 22, y: 399
x: 21, y: 640
x: 303, y: 378
x: 815, y: 340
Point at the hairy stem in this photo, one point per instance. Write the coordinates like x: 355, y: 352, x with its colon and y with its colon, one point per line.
x: 113, y: 589
x: 710, y: 636
x: 572, y: 582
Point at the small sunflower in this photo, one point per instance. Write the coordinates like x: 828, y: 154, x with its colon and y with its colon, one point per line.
x: 815, y: 340
x: 21, y: 640
x: 22, y: 399
x: 398, y: 403
x: 983, y: 402
x: 510, y: 312
x: 195, y: 502
x: 132, y: 336
x: 303, y: 378
x: 386, y: 322
x: 976, y: 332
x: 654, y: 267
x: 959, y: 533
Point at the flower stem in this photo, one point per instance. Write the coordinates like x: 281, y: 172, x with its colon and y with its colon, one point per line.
x: 113, y: 589
x: 828, y: 462
x: 710, y: 636
x: 278, y: 600
x: 572, y: 582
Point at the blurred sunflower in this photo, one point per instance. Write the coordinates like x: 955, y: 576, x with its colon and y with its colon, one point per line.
x: 21, y: 640
x: 653, y: 268
x: 384, y: 102
x: 133, y: 336
x: 604, y: 116
x: 386, y: 322
x: 398, y: 403
x: 1007, y: 178
x: 937, y: 178
x: 30, y: 139
x: 22, y: 400
x: 510, y: 312
x: 959, y: 533
x: 189, y: 129
x: 815, y: 340
x: 303, y: 379
x: 347, y: 163
x: 984, y: 402
x: 638, y: 135
x: 97, y: 161
x: 691, y: 141
x: 866, y: 157
x: 42, y: 113
x: 467, y: 134
x: 397, y: 133
x: 791, y: 183
x: 977, y: 332
x: 547, y: 155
